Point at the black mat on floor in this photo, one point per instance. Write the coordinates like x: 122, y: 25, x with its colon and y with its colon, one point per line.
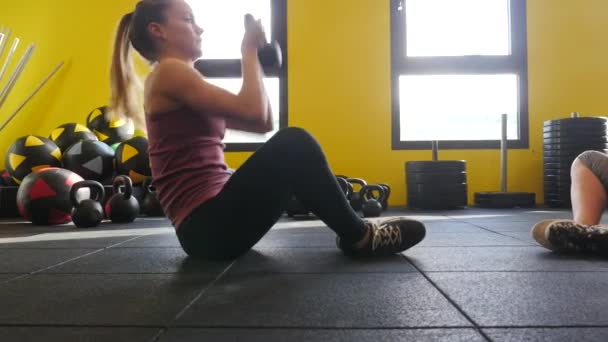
x: 477, y: 276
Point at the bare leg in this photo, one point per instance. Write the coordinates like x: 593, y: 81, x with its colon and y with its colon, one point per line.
x: 587, y: 193
x: 589, y: 174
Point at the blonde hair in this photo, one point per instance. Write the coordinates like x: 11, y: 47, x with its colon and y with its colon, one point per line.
x: 125, y: 84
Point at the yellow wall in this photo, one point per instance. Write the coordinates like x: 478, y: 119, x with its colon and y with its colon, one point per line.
x: 339, y: 77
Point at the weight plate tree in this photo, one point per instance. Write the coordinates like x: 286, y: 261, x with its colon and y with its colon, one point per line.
x: 503, y: 199
x: 436, y: 184
x: 563, y: 141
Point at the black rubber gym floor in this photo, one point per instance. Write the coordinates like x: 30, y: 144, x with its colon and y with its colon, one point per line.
x: 477, y: 276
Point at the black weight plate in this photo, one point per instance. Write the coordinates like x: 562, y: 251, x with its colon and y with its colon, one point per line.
x: 563, y: 184
x: 454, y: 196
x: 437, y: 188
x: 436, y: 206
x: 557, y: 190
x: 501, y: 195
x: 505, y: 199
x: 564, y: 195
x: 587, y: 129
x: 562, y: 173
x: 551, y: 156
x: 574, y: 147
x: 596, y: 120
x: 559, y: 160
x: 576, y: 134
x: 565, y: 151
x: 558, y: 204
x: 438, y: 166
x: 437, y: 200
x: 582, y: 128
x: 556, y: 197
x: 556, y: 172
x: 563, y: 191
x: 575, y: 125
x: 562, y: 153
x: 555, y: 178
x: 557, y: 185
x: 557, y: 166
x: 576, y: 141
x: 434, y: 178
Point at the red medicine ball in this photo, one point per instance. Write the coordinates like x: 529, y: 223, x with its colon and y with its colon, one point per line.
x: 44, y: 196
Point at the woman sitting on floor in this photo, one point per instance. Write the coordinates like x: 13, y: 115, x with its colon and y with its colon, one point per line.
x: 584, y: 233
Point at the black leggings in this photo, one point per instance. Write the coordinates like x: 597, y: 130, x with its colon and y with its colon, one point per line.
x: 254, y: 198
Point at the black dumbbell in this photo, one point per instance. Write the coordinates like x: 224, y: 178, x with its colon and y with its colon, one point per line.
x: 270, y: 55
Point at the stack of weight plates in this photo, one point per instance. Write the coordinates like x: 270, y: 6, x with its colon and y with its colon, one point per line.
x: 563, y: 141
x: 439, y: 184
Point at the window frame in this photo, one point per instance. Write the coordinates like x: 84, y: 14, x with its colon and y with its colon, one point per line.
x: 515, y: 63
x: 231, y: 68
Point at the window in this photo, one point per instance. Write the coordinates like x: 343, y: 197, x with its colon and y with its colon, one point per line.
x: 457, y: 65
x: 221, y: 60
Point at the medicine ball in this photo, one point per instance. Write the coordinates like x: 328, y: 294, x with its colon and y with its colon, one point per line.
x: 68, y: 134
x: 91, y: 159
x: 31, y: 153
x: 110, y: 131
x: 44, y: 196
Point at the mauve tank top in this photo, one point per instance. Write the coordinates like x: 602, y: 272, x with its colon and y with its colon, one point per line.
x: 187, y: 160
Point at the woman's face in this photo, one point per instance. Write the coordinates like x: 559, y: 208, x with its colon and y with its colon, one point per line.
x: 179, y: 34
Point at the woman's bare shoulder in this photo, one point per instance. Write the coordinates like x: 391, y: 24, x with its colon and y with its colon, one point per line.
x: 162, y: 81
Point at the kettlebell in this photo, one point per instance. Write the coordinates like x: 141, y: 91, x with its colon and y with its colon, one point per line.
x: 356, y: 202
x: 346, y: 187
x: 372, y: 206
x: 296, y: 208
x: 150, y: 205
x: 88, y: 212
x: 270, y: 55
x: 387, y: 190
x: 122, y: 207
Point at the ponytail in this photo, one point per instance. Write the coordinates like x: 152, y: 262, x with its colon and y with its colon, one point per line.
x: 125, y: 84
